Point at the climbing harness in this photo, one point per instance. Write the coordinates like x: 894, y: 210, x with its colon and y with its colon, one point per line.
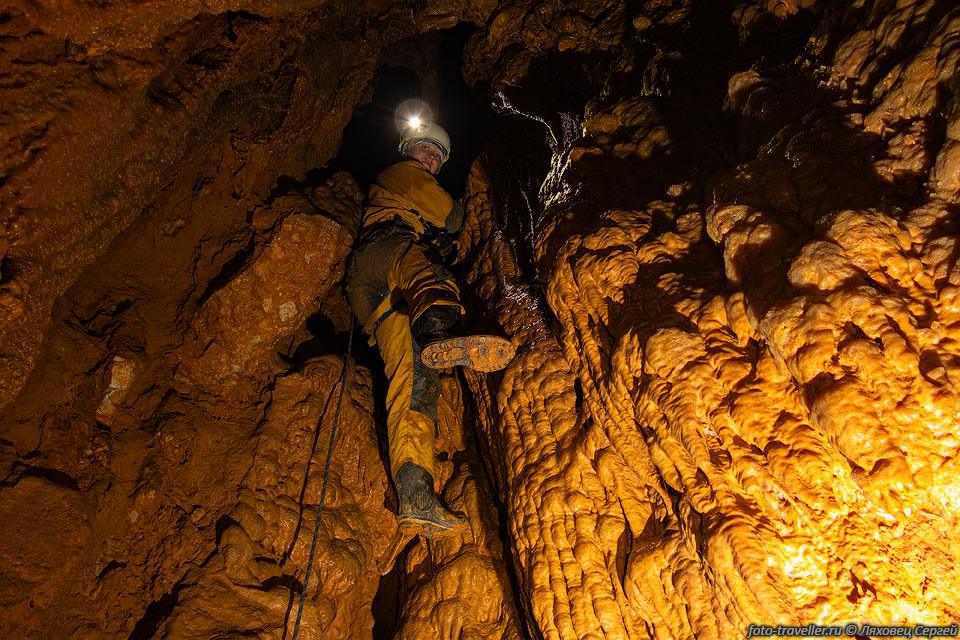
x: 326, y: 474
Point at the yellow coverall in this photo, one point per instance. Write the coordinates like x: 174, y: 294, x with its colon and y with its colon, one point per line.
x: 394, y: 278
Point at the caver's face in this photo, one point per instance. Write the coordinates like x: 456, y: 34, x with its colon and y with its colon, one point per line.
x: 428, y: 155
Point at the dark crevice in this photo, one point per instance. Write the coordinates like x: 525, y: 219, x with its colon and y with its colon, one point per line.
x: 160, y: 95
x: 245, y: 16
x: 156, y: 611
x: 386, y: 602
x: 578, y: 393
x: 239, y: 18
x: 104, y: 320
x: 774, y: 41
x: 482, y: 466
x: 58, y: 478
x: 229, y: 271
x: 326, y: 340
x: 113, y: 564
x: 555, y: 92
x: 288, y: 184
x: 222, y: 525
x: 516, y: 164
x: 624, y: 549
x: 285, y: 581
x: 520, y: 600
x: 8, y: 271
x: 213, y: 58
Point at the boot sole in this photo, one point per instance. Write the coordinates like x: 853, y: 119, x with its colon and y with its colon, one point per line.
x: 481, y: 353
x: 429, y: 528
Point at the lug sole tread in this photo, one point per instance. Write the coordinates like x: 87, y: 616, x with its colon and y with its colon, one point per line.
x: 479, y: 352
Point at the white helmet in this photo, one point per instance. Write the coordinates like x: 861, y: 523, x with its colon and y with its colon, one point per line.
x: 416, y: 131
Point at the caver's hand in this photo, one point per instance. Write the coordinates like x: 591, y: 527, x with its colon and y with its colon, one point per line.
x: 445, y: 245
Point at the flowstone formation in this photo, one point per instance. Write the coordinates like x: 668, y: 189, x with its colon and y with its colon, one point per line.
x: 723, y: 237
x: 766, y: 352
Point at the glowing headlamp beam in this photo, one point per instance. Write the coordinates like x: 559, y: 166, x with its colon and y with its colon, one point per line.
x: 412, y: 115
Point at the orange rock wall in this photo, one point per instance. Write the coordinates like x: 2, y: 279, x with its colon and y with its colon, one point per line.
x: 459, y: 587
x: 155, y: 288
x: 766, y: 352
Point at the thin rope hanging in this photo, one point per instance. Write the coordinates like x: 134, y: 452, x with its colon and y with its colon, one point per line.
x: 326, y: 474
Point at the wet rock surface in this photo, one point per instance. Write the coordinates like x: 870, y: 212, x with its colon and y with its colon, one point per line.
x: 722, y: 236
x: 750, y: 343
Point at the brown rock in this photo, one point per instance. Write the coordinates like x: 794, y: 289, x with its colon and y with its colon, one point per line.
x: 45, y: 534
x: 239, y: 326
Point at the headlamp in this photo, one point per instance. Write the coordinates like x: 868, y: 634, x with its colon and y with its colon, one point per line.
x: 412, y: 114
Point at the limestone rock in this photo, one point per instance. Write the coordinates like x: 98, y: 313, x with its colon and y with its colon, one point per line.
x: 240, y: 324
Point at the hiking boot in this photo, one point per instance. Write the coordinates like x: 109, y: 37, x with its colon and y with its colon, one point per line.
x: 420, y: 511
x: 434, y: 323
x: 443, y: 346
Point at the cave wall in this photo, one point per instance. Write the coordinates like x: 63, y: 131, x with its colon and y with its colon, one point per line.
x: 734, y: 401
x: 159, y: 399
x: 724, y: 242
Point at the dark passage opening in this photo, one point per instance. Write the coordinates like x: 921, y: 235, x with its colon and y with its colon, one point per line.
x: 427, y: 68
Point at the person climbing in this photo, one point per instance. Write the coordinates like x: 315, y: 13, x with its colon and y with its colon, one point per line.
x: 409, y: 304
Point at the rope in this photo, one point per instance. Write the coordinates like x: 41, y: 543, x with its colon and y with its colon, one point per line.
x: 326, y: 474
